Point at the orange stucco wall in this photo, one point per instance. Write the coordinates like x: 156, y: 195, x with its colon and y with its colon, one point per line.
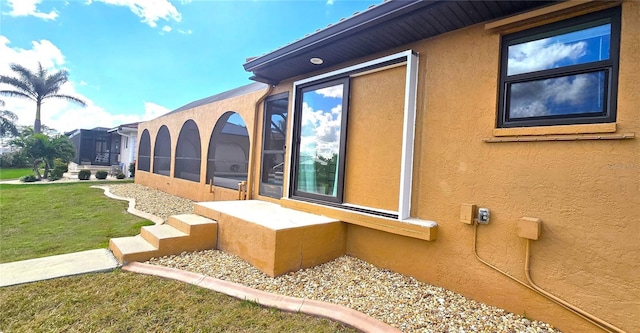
x: 587, y: 192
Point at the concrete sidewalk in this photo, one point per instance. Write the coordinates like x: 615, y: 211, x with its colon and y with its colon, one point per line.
x: 32, y: 270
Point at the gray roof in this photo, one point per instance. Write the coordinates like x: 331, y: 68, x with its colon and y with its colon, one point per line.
x: 243, y: 90
x: 386, y: 26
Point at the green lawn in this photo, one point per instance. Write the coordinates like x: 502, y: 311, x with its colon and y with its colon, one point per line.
x: 48, y: 219
x: 9, y: 173
x: 128, y: 302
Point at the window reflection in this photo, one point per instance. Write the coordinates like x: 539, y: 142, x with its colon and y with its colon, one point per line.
x: 319, y: 148
x: 577, y: 47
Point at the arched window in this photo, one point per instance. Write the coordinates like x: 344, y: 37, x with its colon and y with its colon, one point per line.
x: 162, y: 152
x: 144, y: 152
x: 188, y: 153
x: 228, y: 154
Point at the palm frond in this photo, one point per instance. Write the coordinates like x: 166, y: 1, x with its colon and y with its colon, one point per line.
x: 13, y: 93
x: 8, y: 115
x: 20, y: 84
x: 68, y: 98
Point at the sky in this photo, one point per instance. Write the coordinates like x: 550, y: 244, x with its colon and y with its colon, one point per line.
x: 135, y: 60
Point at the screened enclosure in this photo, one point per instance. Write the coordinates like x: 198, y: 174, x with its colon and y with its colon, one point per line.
x: 228, y: 153
x: 188, y: 153
x: 162, y: 152
x: 144, y: 152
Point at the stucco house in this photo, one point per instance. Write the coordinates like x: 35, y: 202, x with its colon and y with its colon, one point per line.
x: 488, y: 147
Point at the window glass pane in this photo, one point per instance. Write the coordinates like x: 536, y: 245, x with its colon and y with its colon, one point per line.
x: 566, y: 95
x: 564, y: 49
x: 319, y: 149
x: 275, y: 133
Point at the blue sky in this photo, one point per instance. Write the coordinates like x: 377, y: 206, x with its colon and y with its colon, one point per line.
x: 134, y: 60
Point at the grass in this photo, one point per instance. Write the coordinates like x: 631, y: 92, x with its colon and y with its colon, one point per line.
x: 48, y: 219
x: 127, y: 302
x: 9, y: 173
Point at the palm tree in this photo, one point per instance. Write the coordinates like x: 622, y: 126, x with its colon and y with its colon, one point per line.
x: 7, y: 122
x: 37, y: 86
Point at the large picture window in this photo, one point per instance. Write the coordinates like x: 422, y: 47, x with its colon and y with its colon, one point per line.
x: 321, y: 127
x: 561, y: 74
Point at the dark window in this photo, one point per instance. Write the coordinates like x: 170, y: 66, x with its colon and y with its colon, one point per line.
x: 228, y: 154
x: 320, y: 133
x: 162, y: 152
x: 274, y: 134
x: 144, y: 152
x: 188, y: 152
x: 562, y: 73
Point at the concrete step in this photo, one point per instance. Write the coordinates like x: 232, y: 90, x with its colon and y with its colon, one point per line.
x: 135, y: 248
x: 166, y: 239
x: 192, y: 223
x: 274, y: 239
x: 162, y: 235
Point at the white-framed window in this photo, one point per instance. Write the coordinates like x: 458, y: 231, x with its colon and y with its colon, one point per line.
x: 317, y: 172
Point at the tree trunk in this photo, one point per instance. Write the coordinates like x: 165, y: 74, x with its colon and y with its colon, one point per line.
x: 36, y: 168
x: 36, y: 123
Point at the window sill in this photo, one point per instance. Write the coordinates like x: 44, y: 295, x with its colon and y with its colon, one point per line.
x: 414, y: 228
x: 562, y: 137
x: 556, y: 130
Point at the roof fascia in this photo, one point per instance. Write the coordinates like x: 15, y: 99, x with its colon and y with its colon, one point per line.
x: 376, y: 15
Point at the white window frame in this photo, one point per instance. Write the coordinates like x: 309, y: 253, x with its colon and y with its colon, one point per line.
x: 408, y: 128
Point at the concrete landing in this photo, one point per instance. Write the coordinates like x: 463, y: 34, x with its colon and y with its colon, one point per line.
x: 274, y: 239
x: 32, y: 270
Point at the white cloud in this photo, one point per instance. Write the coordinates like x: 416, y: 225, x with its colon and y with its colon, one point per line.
x: 185, y: 32
x: 166, y: 28
x: 333, y: 91
x: 153, y: 110
x: 60, y: 114
x: 320, y: 132
x: 329, y: 2
x: 28, y: 8
x: 539, y: 98
x: 150, y: 11
x: 541, y: 54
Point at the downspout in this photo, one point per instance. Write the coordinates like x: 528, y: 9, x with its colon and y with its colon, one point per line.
x: 249, y: 185
x: 600, y: 323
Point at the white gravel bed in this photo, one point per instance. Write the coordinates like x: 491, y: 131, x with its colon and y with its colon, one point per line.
x: 401, y: 301
x: 152, y: 201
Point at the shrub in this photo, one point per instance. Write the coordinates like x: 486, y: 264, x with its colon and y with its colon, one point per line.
x: 59, y: 168
x: 132, y: 169
x: 101, y: 174
x: 28, y: 179
x: 14, y: 159
x: 120, y: 175
x: 84, y: 174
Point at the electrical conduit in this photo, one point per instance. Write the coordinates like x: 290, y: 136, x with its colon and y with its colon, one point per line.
x: 532, y: 286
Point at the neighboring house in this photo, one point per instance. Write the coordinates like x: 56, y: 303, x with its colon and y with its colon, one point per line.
x: 414, y: 114
x: 126, y: 135
x: 95, y: 146
x: 105, y: 147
